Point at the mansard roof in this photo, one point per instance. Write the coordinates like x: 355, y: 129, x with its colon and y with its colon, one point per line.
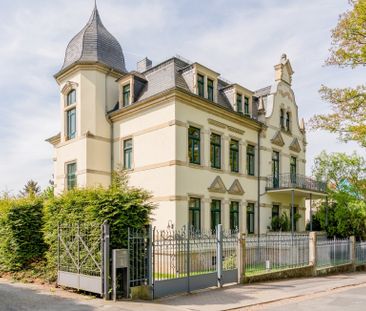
x: 95, y: 44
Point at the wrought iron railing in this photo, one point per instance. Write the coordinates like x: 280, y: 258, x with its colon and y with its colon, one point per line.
x: 289, y: 180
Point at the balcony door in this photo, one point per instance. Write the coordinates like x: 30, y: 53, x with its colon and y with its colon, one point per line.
x: 293, y: 172
x: 276, y: 169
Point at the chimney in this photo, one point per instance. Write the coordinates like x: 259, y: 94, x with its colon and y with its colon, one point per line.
x: 144, y: 65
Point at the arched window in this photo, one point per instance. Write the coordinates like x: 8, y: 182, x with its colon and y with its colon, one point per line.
x: 288, y: 122
x: 282, y: 119
x: 71, y: 98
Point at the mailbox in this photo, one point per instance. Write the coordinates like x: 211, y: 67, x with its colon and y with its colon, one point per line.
x: 120, y: 273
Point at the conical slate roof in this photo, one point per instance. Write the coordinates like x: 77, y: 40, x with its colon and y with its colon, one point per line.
x: 94, y: 43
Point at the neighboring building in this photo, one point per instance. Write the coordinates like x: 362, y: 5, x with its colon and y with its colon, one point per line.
x: 209, y: 151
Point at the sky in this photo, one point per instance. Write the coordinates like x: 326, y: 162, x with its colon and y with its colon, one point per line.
x: 241, y: 39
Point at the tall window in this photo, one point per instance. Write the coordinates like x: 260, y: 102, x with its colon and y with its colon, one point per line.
x: 275, y: 211
x: 282, y: 119
x: 239, y: 103
x: 234, y: 155
x: 250, y: 218
x: 71, y: 98
x: 234, y: 215
x: 71, y: 176
x: 195, y: 214
x: 194, y: 145
x: 215, y: 214
x: 126, y: 95
x: 201, y: 85
x: 210, y: 89
x: 293, y: 168
x: 246, y: 106
x: 276, y: 169
x: 250, y: 160
x: 127, y: 154
x: 71, y: 123
x: 215, y: 152
x: 288, y: 122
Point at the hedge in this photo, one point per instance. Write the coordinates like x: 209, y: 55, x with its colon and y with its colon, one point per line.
x: 22, y: 241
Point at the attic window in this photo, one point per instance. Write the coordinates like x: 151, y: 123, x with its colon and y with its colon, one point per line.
x: 126, y: 95
x: 239, y: 103
x: 210, y: 88
x: 201, y: 85
x: 246, y: 106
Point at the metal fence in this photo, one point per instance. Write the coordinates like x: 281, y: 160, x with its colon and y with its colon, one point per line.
x: 271, y: 252
x: 333, y: 252
x: 360, y: 252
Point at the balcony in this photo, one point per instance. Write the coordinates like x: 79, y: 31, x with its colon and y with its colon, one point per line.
x: 300, y: 183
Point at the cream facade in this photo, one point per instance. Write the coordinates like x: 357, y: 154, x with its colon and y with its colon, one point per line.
x: 208, y: 150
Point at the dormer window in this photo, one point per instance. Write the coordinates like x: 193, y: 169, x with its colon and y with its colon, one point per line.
x: 210, y: 89
x: 282, y: 119
x: 239, y: 103
x: 71, y: 98
x: 126, y: 95
x: 201, y: 85
x: 288, y: 124
x: 246, y: 106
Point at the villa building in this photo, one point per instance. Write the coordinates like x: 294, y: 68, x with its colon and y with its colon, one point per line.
x: 210, y: 151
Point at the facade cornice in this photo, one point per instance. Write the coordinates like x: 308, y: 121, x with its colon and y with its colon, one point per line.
x: 189, y: 99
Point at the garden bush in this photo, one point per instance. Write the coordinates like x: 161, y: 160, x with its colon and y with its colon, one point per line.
x: 21, y: 225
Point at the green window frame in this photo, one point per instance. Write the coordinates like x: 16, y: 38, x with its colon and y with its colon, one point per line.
x: 276, y: 169
x: 239, y: 103
x: 127, y: 154
x: 215, y: 151
x: 71, y: 98
x: 71, y: 123
x: 293, y: 169
x: 215, y: 214
x: 250, y: 218
x: 126, y: 95
x: 201, y: 85
x: 210, y: 89
x: 282, y: 119
x: 234, y: 156
x: 194, y: 145
x: 71, y: 175
x: 250, y: 160
x: 234, y: 215
x: 194, y: 216
x: 288, y: 122
x: 246, y: 106
x: 275, y: 210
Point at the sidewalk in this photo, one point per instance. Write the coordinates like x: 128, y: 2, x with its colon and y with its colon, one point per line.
x: 16, y: 296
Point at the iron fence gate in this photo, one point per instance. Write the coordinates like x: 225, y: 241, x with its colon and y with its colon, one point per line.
x: 80, y: 256
x: 187, y: 260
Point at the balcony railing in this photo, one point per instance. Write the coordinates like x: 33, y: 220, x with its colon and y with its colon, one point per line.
x: 288, y: 180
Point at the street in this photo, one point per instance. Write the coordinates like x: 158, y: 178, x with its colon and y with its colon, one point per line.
x: 336, y: 293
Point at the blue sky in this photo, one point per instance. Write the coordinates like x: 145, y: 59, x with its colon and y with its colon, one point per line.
x: 241, y: 39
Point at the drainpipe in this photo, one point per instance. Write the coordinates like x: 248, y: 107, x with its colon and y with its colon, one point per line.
x: 259, y: 181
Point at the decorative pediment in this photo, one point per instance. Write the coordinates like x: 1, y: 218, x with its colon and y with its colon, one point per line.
x: 217, y: 186
x: 278, y: 139
x: 236, y: 188
x: 295, y: 145
x: 69, y: 85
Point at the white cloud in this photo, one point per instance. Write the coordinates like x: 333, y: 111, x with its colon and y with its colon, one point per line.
x: 240, y: 39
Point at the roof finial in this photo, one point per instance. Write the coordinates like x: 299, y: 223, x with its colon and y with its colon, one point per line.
x: 95, y: 4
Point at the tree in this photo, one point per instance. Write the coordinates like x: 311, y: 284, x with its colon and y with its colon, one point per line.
x: 31, y: 189
x: 348, y: 116
x: 345, y: 176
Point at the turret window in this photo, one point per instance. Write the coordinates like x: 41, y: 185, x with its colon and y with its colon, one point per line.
x: 71, y: 176
x: 71, y: 98
x: 282, y: 119
x: 288, y: 124
x: 126, y: 95
x: 71, y: 123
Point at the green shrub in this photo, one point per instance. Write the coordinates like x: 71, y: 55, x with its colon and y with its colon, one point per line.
x: 21, y: 233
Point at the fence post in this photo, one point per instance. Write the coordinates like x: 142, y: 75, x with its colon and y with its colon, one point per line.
x: 150, y: 256
x: 188, y: 261
x: 106, y: 260
x: 352, y: 240
x: 241, y: 257
x: 312, y: 250
x: 219, y: 255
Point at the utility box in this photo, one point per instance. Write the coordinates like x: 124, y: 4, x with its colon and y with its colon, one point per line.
x: 120, y: 273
